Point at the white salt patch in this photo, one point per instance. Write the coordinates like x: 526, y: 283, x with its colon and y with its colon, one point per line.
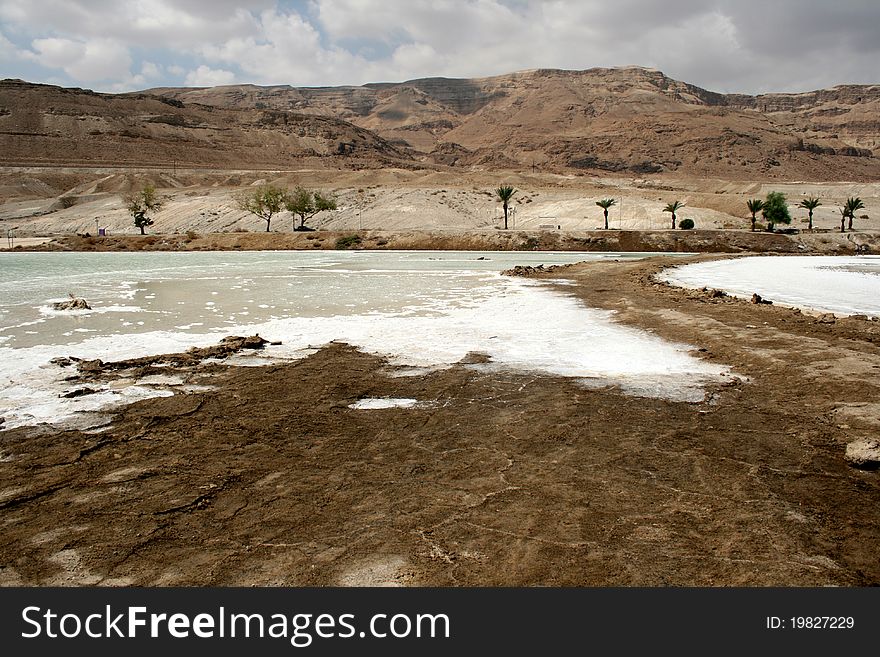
x: 161, y: 380
x: 845, y: 285
x: 519, y: 324
x: 379, y: 403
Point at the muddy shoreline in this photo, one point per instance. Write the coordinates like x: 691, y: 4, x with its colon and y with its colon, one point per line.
x: 692, y: 241
x: 501, y: 478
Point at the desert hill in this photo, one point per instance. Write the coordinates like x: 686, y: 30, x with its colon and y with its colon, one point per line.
x: 629, y: 121
x: 48, y: 125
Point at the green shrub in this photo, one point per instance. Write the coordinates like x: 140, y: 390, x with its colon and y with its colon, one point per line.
x: 686, y: 224
x: 348, y: 241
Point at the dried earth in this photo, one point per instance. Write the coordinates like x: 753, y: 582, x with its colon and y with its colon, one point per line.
x: 499, y: 478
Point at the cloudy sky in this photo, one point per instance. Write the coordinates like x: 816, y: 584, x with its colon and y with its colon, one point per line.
x: 749, y: 46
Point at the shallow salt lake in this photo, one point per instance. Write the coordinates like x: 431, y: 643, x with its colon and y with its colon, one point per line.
x: 420, y: 309
x: 846, y: 285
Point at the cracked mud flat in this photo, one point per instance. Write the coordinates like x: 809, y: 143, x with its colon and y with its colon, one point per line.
x: 498, y: 479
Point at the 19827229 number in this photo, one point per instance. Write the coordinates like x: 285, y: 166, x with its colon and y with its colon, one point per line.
x: 811, y: 623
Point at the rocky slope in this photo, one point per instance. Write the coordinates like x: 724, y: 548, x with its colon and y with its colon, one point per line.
x: 41, y: 124
x: 624, y: 120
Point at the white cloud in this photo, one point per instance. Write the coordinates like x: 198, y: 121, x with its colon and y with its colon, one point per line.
x: 88, y: 61
x: 724, y: 45
x: 150, y: 71
x: 8, y: 51
x: 205, y: 76
x: 56, y: 53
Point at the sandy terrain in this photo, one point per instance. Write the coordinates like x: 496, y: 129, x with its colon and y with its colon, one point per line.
x: 33, y: 200
x: 501, y: 478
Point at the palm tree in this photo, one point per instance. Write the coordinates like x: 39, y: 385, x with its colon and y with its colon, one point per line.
x: 504, y: 194
x: 844, y: 213
x: 673, y: 207
x: 810, y: 203
x: 853, y: 205
x: 755, y: 205
x: 606, y: 203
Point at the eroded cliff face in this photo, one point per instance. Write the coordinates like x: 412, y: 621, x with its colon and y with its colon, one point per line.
x: 42, y: 124
x: 847, y: 116
x: 625, y: 120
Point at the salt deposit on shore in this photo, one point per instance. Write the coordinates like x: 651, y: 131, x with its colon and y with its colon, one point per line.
x: 846, y: 285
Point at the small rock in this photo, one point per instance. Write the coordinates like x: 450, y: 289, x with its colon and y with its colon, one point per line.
x: 863, y: 318
x: 757, y: 298
x: 74, y: 303
x: 90, y: 365
x: 827, y: 318
x: 863, y: 453
x: 64, y: 361
x: 77, y: 392
x: 717, y: 294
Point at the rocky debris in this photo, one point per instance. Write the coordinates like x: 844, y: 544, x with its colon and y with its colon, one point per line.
x: 528, y: 270
x: 757, y: 298
x: 715, y: 294
x: 78, y: 392
x: 475, y: 358
x: 827, y: 318
x: 74, y: 303
x: 226, y: 347
x: 2, y: 421
x: 863, y: 453
x: 65, y: 361
x: 862, y: 318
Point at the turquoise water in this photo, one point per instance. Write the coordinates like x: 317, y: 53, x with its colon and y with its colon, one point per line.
x: 418, y: 309
x: 198, y: 292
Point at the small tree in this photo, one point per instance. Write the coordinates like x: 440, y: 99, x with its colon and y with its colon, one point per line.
x: 265, y: 201
x: 853, y: 205
x: 673, y: 207
x: 306, y: 204
x: 775, y: 210
x: 844, y: 213
x: 755, y: 205
x: 504, y: 194
x: 142, y: 202
x: 810, y: 204
x: 606, y: 203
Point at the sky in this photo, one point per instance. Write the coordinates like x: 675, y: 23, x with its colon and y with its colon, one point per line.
x: 729, y: 46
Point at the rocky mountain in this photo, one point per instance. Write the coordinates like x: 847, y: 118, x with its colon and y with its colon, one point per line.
x: 42, y: 124
x: 625, y: 121
x: 631, y: 121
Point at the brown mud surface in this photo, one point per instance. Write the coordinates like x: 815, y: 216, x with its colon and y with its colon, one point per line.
x: 694, y: 241
x: 499, y: 478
